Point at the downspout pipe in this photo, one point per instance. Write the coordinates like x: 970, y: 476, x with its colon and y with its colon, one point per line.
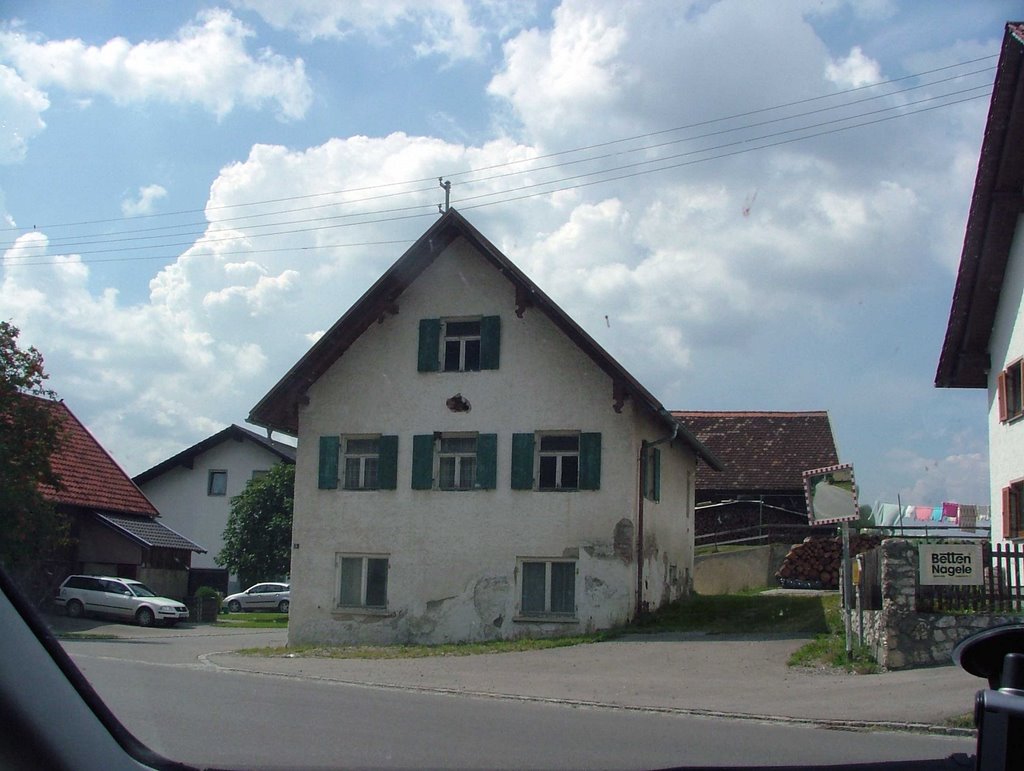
x: 644, y: 446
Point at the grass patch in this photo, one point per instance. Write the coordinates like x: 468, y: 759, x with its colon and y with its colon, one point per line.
x: 966, y: 720
x: 828, y: 651
x: 747, y: 612
x: 254, y: 620
x: 421, y: 651
x: 744, y: 613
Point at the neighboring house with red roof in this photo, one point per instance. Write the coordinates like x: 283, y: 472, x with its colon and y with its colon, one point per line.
x: 984, y: 343
x: 193, y: 490
x: 763, y: 456
x: 473, y: 465
x: 114, y: 526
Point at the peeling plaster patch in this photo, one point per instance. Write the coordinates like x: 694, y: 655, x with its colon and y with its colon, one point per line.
x: 600, y: 549
x: 623, y: 540
x: 597, y: 590
x: 435, y: 605
x: 490, y: 599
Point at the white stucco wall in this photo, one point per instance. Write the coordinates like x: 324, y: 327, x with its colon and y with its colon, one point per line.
x: 180, y: 495
x: 1006, y: 440
x: 453, y: 555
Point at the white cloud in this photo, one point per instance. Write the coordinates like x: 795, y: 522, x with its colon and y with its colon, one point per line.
x: 454, y: 30
x: 21, y: 108
x: 724, y: 271
x: 854, y: 70
x: 206, y: 64
x: 144, y: 201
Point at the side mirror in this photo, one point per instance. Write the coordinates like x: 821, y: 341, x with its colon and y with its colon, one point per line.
x: 998, y: 655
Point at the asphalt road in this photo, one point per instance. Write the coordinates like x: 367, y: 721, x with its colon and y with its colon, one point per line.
x: 171, y: 688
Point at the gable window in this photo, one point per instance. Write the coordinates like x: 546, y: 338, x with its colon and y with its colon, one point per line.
x: 367, y: 462
x: 362, y: 581
x: 259, y: 473
x: 1010, y: 385
x: 455, y: 461
x: 1013, y: 510
x: 564, y: 460
x: 548, y: 587
x: 459, y: 344
x: 217, y: 483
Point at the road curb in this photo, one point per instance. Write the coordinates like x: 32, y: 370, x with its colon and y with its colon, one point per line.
x: 829, y: 723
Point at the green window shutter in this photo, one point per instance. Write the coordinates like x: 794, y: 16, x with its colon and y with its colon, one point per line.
x: 590, y: 461
x: 387, y: 464
x: 656, y: 474
x: 430, y: 340
x: 328, y: 476
x: 423, y: 462
x: 522, y: 461
x: 490, y: 341
x: 487, y: 461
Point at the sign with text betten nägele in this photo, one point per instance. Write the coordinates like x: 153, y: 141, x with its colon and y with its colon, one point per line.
x: 950, y: 564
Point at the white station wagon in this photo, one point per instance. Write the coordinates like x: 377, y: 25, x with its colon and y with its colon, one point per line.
x: 122, y: 598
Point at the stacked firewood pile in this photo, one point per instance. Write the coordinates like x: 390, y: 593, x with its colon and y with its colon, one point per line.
x: 815, y: 562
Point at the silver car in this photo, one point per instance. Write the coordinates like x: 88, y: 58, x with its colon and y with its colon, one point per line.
x: 267, y: 597
x: 122, y: 598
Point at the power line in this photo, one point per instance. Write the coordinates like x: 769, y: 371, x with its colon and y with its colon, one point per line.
x: 533, y: 159
x: 603, y: 175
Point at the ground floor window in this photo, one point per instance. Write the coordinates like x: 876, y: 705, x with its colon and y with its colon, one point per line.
x: 362, y: 581
x: 548, y: 586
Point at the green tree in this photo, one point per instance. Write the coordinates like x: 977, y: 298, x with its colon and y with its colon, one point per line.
x: 32, y: 531
x: 258, y: 536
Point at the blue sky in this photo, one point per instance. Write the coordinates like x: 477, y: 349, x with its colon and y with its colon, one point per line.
x: 190, y: 195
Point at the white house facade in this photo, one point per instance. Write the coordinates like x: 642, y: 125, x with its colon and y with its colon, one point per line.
x: 193, y: 489
x: 471, y: 465
x: 984, y: 344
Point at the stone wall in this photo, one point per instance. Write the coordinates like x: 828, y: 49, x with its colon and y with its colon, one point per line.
x: 902, y: 638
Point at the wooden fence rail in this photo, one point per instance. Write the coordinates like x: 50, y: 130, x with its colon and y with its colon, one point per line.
x: 1002, y: 589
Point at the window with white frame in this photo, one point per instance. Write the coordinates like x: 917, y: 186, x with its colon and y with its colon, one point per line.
x: 217, y: 483
x: 362, y: 581
x: 558, y: 462
x: 548, y: 587
x: 461, y: 346
x: 456, y: 462
x: 361, y: 462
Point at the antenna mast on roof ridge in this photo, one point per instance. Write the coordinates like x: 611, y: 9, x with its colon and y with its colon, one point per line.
x: 447, y: 187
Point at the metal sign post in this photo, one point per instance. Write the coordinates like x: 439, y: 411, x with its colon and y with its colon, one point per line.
x: 832, y: 497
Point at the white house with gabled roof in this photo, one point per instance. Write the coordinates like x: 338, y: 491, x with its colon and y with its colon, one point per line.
x: 984, y: 343
x: 473, y: 465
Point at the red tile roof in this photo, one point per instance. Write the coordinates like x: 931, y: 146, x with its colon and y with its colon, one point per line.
x: 761, y: 451
x: 90, y: 478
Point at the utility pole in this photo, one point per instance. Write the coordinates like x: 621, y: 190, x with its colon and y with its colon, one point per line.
x: 446, y: 185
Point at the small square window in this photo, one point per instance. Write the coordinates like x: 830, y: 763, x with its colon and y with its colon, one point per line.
x: 363, y: 582
x: 1011, y: 391
x: 548, y: 588
x: 217, y: 483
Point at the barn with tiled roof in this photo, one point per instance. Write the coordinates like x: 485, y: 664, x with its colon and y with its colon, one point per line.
x: 115, y: 529
x: 763, y: 457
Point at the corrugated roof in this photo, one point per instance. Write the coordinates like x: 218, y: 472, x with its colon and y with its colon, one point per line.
x: 147, y: 531
x: 761, y: 451
x: 284, y: 452
x: 89, y: 476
